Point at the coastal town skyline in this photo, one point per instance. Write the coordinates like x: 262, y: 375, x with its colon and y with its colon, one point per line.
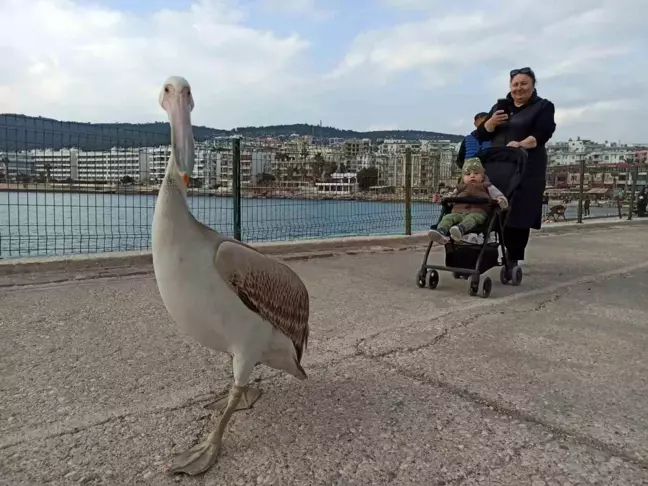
x: 390, y: 64
x: 315, y: 127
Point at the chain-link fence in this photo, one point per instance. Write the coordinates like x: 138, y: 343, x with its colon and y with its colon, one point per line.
x: 586, y: 191
x: 81, y: 188
x: 70, y: 188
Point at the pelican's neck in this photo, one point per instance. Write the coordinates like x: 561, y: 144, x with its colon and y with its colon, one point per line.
x: 172, y: 181
x: 172, y: 196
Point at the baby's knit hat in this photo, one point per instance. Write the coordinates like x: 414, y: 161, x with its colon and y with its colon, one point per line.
x: 473, y: 164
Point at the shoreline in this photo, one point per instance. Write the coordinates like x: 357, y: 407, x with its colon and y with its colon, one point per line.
x: 293, y: 249
x: 255, y: 193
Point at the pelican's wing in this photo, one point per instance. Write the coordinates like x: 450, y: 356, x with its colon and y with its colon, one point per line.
x: 267, y: 287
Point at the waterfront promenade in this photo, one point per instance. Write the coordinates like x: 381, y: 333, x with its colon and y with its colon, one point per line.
x: 543, y: 384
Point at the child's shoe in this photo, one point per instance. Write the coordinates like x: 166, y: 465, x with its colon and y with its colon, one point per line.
x: 457, y: 232
x: 439, y: 236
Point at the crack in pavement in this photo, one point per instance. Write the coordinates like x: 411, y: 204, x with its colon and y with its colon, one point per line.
x: 478, y: 311
x: 446, y: 330
x: 491, y: 307
x: 500, y: 408
x: 43, y: 433
x: 510, y: 411
x: 49, y: 431
x: 358, y: 351
x: 554, y: 298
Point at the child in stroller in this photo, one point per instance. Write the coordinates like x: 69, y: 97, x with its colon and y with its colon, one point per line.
x: 465, y: 217
x: 501, y: 167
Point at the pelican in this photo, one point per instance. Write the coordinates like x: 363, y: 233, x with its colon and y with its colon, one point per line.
x: 221, y: 292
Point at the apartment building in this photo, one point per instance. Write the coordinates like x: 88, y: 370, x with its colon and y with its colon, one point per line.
x: 58, y: 165
x: 141, y: 164
x: 573, y: 151
x: 253, y: 164
x: 16, y: 164
x: 429, y: 169
x: 392, y: 146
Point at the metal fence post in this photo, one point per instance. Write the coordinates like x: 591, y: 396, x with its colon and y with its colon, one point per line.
x: 236, y: 186
x: 408, y: 191
x: 581, y: 190
x: 635, y: 176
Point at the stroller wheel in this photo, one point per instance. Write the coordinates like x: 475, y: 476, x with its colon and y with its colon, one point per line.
x: 473, y: 285
x: 516, y: 276
x: 486, y: 287
x: 505, y: 277
x: 420, y: 277
x: 433, y: 279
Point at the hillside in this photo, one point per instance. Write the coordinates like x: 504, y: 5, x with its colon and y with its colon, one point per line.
x: 21, y: 132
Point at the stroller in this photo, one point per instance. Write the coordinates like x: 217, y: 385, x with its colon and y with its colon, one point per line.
x: 504, y: 167
x: 556, y: 212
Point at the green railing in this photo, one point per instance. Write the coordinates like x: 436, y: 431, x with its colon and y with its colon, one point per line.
x: 70, y: 188
x: 74, y: 188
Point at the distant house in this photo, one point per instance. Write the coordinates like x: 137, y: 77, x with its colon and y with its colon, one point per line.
x: 340, y: 183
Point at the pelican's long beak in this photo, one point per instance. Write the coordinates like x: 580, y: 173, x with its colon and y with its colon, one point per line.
x: 182, y: 142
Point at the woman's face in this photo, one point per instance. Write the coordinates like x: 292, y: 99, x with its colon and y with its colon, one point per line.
x: 521, y: 88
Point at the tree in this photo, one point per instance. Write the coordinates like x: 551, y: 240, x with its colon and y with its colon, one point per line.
x: 127, y: 180
x: 195, y: 183
x: 5, y: 163
x: 329, y: 168
x: 264, y: 178
x: 48, y: 171
x: 367, y: 177
x: 318, y: 166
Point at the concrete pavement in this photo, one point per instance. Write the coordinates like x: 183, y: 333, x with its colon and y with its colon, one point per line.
x: 543, y: 384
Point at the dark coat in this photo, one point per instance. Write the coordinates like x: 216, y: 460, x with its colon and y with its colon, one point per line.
x: 536, y: 118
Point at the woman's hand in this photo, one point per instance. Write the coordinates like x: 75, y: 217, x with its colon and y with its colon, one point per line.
x: 528, y: 143
x: 494, y: 121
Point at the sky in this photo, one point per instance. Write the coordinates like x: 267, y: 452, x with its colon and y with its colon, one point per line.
x: 354, y: 64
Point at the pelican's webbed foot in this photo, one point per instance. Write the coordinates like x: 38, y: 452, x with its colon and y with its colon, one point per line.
x: 202, y: 456
x: 196, y: 460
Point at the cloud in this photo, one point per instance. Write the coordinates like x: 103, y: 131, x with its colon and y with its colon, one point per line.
x: 406, y: 63
x: 91, y: 63
x: 410, y: 4
x: 578, y: 49
x: 298, y: 8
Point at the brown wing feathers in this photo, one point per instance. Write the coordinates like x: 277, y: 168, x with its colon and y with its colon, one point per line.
x: 272, y: 290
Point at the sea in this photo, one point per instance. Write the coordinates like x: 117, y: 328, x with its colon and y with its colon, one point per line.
x: 47, y: 224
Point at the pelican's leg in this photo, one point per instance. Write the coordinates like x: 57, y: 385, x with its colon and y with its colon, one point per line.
x: 204, y: 455
x: 250, y: 395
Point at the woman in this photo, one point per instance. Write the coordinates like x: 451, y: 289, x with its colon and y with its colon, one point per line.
x: 642, y: 202
x: 528, y: 123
